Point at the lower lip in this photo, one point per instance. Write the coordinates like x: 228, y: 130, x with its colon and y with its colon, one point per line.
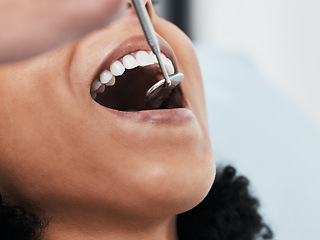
x: 160, y: 116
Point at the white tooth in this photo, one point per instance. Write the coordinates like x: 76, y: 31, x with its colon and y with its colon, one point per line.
x: 163, y: 58
x: 101, y: 89
x: 167, y: 63
x: 144, y: 59
x: 112, y: 81
x: 93, y: 95
x: 169, y: 66
x: 117, y: 68
x: 106, y: 77
x: 95, y: 85
x: 130, y: 62
x: 154, y: 57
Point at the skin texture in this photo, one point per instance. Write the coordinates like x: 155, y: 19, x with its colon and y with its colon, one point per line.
x: 33, y: 27
x: 98, y: 175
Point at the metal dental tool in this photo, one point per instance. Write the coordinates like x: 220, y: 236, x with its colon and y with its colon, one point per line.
x: 162, y: 89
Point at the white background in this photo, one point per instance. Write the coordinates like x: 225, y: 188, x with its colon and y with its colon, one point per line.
x: 281, y: 36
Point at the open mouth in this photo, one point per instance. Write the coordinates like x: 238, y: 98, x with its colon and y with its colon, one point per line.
x: 124, y: 84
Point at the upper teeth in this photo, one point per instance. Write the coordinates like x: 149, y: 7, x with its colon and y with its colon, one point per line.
x: 130, y: 61
x: 117, y: 68
x: 144, y: 59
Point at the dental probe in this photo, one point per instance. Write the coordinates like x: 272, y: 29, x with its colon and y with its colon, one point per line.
x: 161, y: 90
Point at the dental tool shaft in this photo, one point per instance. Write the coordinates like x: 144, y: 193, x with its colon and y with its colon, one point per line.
x: 150, y: 35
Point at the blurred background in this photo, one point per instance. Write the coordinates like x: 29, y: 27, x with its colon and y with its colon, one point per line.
x: 261, y: 67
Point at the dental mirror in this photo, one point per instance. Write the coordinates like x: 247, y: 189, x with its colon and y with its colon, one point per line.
x: 162, y: 89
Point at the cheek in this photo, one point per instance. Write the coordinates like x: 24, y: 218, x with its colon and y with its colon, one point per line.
x: 41, y: 148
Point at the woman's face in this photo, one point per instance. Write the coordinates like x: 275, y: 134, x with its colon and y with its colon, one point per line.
x: 60, y: 149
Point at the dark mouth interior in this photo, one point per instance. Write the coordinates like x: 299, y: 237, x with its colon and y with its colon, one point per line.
x: 128, y: 94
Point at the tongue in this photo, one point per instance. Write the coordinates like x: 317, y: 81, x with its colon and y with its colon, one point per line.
x: 128, y: 94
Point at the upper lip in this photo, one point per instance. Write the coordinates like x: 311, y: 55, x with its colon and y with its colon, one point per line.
x: 133, y: 44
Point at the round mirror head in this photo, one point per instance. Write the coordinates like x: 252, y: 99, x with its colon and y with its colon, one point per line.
x: 160, y: 90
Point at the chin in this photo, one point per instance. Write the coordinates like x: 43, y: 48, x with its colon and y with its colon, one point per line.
x: 184, y: 188
x: 170, y: 184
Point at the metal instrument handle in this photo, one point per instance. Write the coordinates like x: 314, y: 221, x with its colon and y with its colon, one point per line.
x: 147, y: 26
x: 150, y: 35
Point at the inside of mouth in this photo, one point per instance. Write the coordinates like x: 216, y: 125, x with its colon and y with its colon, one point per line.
x: 128, y: 93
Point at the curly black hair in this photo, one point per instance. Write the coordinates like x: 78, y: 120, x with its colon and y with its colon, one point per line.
x: 229, y: 212
x: 17, y: 223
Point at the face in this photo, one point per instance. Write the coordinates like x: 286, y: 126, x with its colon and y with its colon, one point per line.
x: 60, y: 149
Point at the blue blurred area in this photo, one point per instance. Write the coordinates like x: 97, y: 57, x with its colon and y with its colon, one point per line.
x: 267, y: 138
